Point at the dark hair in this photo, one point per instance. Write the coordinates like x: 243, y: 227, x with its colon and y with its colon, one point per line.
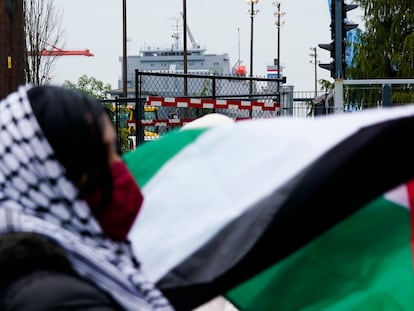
x: 73, y: 124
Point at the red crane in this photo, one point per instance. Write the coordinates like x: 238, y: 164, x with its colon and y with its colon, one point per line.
x: 59, y: 52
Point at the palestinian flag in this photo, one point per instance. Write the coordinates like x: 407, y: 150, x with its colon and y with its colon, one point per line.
x: 280, y: 214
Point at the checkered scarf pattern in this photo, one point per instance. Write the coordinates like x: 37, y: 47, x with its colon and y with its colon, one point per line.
x: 35, y: 196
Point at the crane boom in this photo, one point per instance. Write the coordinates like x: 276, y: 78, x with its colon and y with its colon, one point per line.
x: 194, y: 44
x: 59, y: 52
x: 66, y: 52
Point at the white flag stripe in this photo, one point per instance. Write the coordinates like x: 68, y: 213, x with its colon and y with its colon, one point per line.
x: 399, y: 195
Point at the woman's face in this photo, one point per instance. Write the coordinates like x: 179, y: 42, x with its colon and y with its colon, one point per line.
x: 109, y: 138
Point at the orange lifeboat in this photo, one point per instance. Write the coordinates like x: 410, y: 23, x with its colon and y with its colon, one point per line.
x: 240, y: 70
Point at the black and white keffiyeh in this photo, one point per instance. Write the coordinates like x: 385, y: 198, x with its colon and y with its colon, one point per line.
x: 35, y: 196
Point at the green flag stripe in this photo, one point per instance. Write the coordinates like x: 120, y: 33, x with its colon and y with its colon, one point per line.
x: 364, y: 263
x: 155, y: 154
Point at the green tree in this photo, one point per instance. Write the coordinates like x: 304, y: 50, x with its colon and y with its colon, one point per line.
x: 123, y: 135
x: 326, y: 85
x: 91, y: 86
x: 385, y: 48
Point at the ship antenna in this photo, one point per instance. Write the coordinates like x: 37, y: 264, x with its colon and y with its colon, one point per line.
x: 238, y: 42
x: 176, y: 35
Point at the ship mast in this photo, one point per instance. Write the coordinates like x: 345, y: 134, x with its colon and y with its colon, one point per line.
x: 176, y: 36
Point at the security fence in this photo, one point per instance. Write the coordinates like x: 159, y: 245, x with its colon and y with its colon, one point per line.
x: 167, y: 101
x: 181, y: 98
x: 203, y: 87
x: 375, y: 93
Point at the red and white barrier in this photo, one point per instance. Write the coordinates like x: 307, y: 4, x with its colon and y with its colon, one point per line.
x: 185, y: 102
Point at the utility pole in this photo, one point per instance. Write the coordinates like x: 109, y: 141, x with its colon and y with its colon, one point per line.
x: 314, y: 54
x: 12, y: 43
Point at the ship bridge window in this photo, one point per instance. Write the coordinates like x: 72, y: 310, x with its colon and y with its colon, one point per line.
x: 151, y: 54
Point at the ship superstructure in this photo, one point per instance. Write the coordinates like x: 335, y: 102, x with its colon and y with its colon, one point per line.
x: 171, y: 59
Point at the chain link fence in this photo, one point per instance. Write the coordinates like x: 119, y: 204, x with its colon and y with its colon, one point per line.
x: 167, y: 101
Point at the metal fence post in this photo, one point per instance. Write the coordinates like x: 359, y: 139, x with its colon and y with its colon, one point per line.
x: 339, y: 96
x: 118, y: 137
x: 386, y: 95
x: 213, y: 95
x: 139, y: 130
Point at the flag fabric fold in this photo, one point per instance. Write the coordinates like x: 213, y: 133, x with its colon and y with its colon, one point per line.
x: 363, y: 263
x: 229, y: 205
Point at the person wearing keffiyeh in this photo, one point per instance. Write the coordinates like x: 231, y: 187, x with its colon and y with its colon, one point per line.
x: 67, y: 202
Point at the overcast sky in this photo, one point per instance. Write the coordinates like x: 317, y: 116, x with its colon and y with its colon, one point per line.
x: 221, y: 26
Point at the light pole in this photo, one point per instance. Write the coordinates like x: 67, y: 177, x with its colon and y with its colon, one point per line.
x: 185, y: 60
x: 252, y: 13
x: 314, y: 54
x: 124, y: 50
x: 278, y: 23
